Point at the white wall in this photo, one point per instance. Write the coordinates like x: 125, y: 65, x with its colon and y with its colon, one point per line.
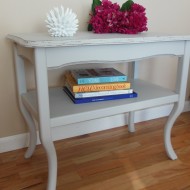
x: 171, y: 16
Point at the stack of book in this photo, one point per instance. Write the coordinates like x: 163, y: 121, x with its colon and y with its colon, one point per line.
x: 98, y: 84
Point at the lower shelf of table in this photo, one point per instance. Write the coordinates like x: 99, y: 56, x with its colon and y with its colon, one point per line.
x: 63, y: 111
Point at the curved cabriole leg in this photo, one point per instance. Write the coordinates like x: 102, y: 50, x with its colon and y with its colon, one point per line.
x: 52, y: 165
x: 167, y: 131
x: 131, y: 125
x: 44, y: 116
x: 21, y: 89
x: 48, y: 145
x: 32, y: 133
x: 181, y: 84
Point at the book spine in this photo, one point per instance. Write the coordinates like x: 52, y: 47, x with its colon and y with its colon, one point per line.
x: 101, y: 87
x: 101, y: 93
x: 96, y: 80
x: 105, y: 98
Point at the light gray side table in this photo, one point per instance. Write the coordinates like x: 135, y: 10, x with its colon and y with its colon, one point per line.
x: 52, y: 108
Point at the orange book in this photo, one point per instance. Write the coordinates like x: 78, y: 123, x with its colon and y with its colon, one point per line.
x: 95, y: 87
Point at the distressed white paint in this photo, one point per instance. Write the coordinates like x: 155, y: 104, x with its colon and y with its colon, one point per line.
x: 90, y: 38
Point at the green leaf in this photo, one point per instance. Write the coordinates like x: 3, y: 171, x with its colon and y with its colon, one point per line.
x: 94, y: 4
x: 127, y: 5
x: 90, y: 27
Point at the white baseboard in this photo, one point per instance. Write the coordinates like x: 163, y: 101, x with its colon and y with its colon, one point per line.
x: 20, y: 141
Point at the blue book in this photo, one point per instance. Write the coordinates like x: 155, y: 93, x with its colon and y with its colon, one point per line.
x: 97, y: 75
x: 100, y: 98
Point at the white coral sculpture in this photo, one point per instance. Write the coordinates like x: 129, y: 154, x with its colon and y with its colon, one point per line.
x: 61, y: 23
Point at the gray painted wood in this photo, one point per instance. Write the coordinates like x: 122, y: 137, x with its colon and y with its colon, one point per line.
x: 52, y: 108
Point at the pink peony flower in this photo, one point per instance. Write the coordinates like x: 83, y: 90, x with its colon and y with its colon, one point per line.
x: 137, y: 18
x: 108, y: 18
x: 105, y: 18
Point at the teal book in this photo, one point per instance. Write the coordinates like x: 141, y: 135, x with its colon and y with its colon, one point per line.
x: 98, y: 75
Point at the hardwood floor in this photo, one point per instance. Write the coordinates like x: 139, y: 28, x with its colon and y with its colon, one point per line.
x: 110, y: 160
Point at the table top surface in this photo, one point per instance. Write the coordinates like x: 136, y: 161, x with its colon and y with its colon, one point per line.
x: 89, y: 38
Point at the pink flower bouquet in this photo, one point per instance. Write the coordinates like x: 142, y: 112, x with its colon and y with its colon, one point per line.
x: 108, y: 17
